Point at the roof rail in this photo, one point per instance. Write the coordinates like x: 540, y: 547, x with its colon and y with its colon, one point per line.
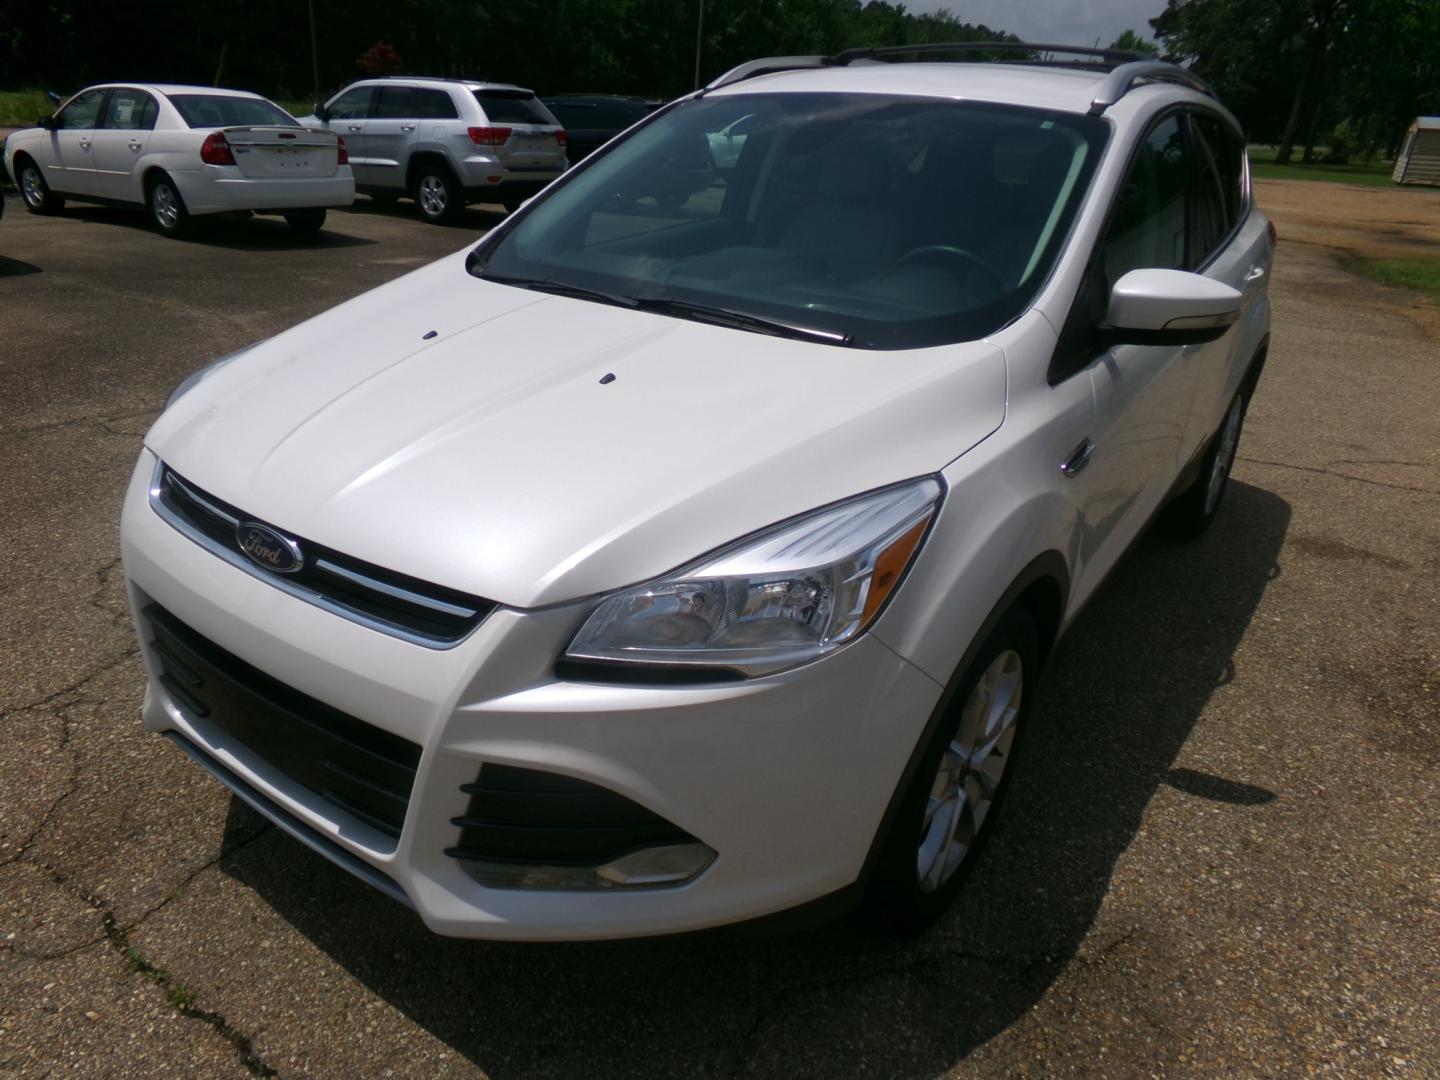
x: 1125, y: 77
x: 1123, y: 69
x: 767, y: 66
x: 1103, y: 56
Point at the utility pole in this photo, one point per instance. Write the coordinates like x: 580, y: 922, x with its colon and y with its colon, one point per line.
x: 699, y: 37
x: 314, y: 53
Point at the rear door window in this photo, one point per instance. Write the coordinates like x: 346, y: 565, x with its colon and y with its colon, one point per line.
x: 512, y: 107
x: 397, y: 103
x: 129, y: 110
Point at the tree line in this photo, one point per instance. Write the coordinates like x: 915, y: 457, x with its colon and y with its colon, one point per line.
x: 1345, y: 76
x: 1342, y: 75
x: 553, y: 46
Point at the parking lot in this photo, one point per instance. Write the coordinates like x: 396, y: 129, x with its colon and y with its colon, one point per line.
x: 1222, y: 853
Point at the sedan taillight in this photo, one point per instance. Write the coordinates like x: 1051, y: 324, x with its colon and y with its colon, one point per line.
x: 343, y: 155
x: 215, y: 150
x: 489, y: 136
x: 562, y: 138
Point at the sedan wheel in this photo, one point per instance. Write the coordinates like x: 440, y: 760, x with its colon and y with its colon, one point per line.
x: 1193, y: 509
x: 167, y: 209
x: 37, y: 194
x: 1224, y: 456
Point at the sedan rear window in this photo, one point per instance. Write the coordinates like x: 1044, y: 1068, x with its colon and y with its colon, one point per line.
x: 216, y: 110
x: 513, y: 107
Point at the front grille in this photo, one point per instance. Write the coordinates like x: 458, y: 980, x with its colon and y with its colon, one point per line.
x: 523, y: 816
x: 357, y: 768
x: 382, y: 599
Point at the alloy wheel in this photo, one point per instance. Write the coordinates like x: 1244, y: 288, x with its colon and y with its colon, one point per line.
x: 971, y: 767
x: 32, y: 187
x: 1224, y: 453
x: 165, y: 206
x: 432, y: 196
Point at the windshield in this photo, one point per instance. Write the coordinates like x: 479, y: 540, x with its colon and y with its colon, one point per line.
x: 218, y: 110
x: 876, y: 221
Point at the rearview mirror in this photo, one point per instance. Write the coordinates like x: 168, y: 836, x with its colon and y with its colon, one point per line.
x: 1169, y: 307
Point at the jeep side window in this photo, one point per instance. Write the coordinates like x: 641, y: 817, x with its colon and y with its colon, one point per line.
x: 353, y: 104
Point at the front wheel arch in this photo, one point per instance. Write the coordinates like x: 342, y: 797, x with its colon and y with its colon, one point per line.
x: 1040, y: 590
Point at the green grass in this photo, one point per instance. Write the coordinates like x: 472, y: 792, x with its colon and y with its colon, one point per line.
x: 1422, y: 275
x: 1370, y: 174
x: 21, y: 108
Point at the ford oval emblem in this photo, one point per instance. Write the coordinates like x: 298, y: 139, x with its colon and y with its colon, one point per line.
x: 268, y: 548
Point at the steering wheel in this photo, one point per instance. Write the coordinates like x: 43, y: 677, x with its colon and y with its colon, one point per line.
x: 975, y: 265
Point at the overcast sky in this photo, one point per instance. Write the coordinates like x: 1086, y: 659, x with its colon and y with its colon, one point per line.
x: 1056, y: 22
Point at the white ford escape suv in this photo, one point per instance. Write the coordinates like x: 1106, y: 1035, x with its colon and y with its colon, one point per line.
x: 689, y: 549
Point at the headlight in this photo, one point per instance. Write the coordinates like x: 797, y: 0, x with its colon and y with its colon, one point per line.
x: 196, y: 377
x: 781, y: 597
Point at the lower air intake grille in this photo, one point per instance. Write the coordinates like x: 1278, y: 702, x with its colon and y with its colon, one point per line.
x: 393, y: 603
x: 523, y: 816
x: 357, y: 768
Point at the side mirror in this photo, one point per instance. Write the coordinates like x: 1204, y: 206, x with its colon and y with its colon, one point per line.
x: 1169, y: 307
x: 321, y: 113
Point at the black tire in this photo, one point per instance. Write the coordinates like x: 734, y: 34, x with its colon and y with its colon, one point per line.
x: 1191, y: 512
x: 899, y: 893
x: 34, y: 191
x: 166, y: 207
x: 305, y: 222
x: 436, y: 193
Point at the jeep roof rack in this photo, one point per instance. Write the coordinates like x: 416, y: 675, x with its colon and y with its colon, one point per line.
x: 1123, y: 69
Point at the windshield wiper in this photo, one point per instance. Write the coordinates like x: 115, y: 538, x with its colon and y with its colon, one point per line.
x: 559, y: 288
x: 739, y: 320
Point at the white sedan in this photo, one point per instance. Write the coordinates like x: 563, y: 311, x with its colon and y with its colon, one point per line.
x: 180, y: 152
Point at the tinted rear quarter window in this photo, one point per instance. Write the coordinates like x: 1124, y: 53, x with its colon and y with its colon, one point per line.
x: 511, y: 107
x: 435, y: 105
x: 215, y: 110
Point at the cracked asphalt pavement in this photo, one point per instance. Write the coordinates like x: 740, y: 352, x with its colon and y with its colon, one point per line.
x: 1221, y: 854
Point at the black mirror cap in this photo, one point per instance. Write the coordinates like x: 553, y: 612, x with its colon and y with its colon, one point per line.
x: 46, y: 122
x: 321, y: 113
x: 1110, y: 336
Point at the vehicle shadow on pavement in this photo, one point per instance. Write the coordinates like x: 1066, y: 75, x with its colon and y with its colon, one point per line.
x: 1125, y: 688
x: 475, y: 218
x: 261, y: 233
x: 16, y: 268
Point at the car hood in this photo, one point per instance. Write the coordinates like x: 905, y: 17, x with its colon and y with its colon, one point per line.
x: 499, y: 457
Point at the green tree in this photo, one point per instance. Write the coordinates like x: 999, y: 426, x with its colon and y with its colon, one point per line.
x: 1131, y: 41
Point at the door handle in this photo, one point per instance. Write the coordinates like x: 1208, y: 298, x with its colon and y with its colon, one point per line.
x: 84, y: 144
x: 135, y: 146
x: 354, y: 127
x: 407, y: 127
x: 1255, y: 274
x: 1078, y: 459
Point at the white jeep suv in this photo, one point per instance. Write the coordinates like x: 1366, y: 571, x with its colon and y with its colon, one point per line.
x: 445, y: 142
x: 689, y: 549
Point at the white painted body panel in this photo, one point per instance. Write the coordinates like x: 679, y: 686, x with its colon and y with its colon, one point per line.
x: 113, y: 165
x: 491, y: 459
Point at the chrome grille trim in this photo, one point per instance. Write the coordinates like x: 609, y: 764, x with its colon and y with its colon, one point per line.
x: 437, y: 606
x: 394, y: 590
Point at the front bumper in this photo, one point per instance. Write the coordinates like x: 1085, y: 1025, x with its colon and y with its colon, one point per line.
x: 218, y: 189
x: 785, y: 777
